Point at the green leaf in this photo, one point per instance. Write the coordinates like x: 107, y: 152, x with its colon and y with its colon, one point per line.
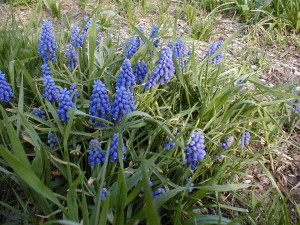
x: 207, y: 219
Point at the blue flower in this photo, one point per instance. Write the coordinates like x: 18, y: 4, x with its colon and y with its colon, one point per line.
x: 245, y: 140
x: 297, y: 108
x: 191, y: 188
x: 65, y: 104
x: 123, y: 104
x: 227, y: 143
x: 99, y: 105
x: 150, y: 183
x: 39, y: 112
x: 96, y: 154
x: 164, y: 72
x: 170, y: 145
x: 81, y: 37
x: 141, y: 72
x: 47, y: 44
x: 212, y: 49
x: 178, y: 48
x: 71, y: 54
x: 75, y: 34
x: 126, y: 77
x: 196, y: 151
x: 159, y: 192
x: 155, y: 36
x: 104, y: 194
x: 6, y: 93
x: 51, y: 92
x: 113, y: 152
x: 133, y: 47
x: 52, y: 140
x: 74, y: 92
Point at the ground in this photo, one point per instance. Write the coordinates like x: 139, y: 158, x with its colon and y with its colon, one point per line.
x: 278, y: 54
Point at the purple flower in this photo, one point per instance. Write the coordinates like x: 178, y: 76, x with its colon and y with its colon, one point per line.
x: 164, y: 72
x: 47, y: 44
x: 123, y: 104
x: 71, y: 54
x: 51, y: 92
x: 96, y: 154
x: 39, y: 112
x: 159, y: 192
x: 113, y: 152
x: 212, y: 49
x: 178, y: 48
x: 65, y: 104
x: 6, y: 93
x: 126, y: 77
x: 52, y: 140
x: 81, y: 37
x: 191, y: 188
x: 245, y: 140
x: 141, y: 72
x: 104, y: 194
x: 75, y: 34
x: 74, y: 91
x: 99, y: 105
x: 133, y: 46
x: 154, y: 36
x: 227, y: 143
x: 170, y: 145
x: 196, y: 151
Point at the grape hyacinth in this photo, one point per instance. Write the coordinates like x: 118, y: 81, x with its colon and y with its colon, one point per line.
x: 159, y: 192
x: 74, y: 92
x: 133, y: 47
x: 150, y: 183
x: 245, y: 140
x: 81, y: 37
x: 6, y: 93
x: 71, y: 55
x: 39, y: 112
x: 227, y: 143
x: 96, y: 154
x: 51, y: 92
x: 196, y: 150
x: 75, y: 34
x: 191, y: 188
x: 99, y: 105
x: 52, y: 140
x: 47, y: 44
x: 212, y: 49
x: 164, y: 72
x: 297, y: 108
x: 104, y: 194
x: 141, y: 72
x: 65, y: 104
x: 123, y: 104
x: 126, y: 77
x: 178, y: 48
x: 113, y: 152
x: 154, y: 34
x: 170, y: 145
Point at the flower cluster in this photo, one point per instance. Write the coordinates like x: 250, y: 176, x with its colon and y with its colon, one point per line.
x: 191, y: 188
x: 227, y: 143
x: 104, y: 194
x: 133, y: 47
x: 159, y: 192
x: 39, y: 112
x: 71, y: 55
x: 65, y: 104
x: 212, y: 49
x: 113, y: 152
x: 164, y: 72
x: 245, y: 140
x: 74, y: 91
x: 178, y: 48
x: 52, y: 140
x: 47, y: 44
x: 81, y: 37
x: 154, y: 35
x: 123, y: 104
x: 99, y: 105
x: 196, y: 150
x: 96, y: 154
x: 170, y: 145
x: 141, y: 72
x: 6, y: 93
x: 51, y: 92
x: 126, y: 77
x: 74, y: 35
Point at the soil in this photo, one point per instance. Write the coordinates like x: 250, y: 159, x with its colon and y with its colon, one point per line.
x: 278, y: 55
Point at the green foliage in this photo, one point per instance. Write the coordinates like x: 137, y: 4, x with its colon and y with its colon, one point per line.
x: 190, y: 12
